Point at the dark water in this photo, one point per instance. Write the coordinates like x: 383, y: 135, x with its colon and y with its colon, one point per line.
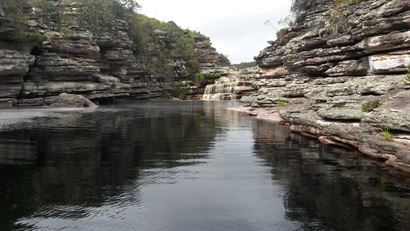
x: 166, y: 166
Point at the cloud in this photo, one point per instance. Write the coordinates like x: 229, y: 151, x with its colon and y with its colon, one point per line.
x: 236, y: 28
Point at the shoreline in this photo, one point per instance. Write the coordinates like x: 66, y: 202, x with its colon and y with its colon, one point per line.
x: 340, y: 137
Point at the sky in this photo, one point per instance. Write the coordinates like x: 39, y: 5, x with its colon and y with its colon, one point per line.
x: 237, y: 28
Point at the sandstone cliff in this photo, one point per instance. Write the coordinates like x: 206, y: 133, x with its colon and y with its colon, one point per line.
x: 69, y: 57
x: 339, y: 73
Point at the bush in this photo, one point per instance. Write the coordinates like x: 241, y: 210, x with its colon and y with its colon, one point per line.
x: 199, y: 78
x: 387, y: 134
x: 300, y: 5
x: 174, y: 44
x: 281, y: 103
x: 369, y: 106
x: 213, y: 74
x: 179, y: 92
x: 244, y: 65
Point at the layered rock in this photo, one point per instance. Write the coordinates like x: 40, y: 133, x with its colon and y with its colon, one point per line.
x: 97, y: 65
x: 234, y: 85
x: 321, y: 76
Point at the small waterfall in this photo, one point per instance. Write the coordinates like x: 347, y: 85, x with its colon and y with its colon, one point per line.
x: 223, y: 89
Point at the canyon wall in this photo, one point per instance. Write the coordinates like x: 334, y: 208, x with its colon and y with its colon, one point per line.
x: 68, y: 57
x: 339, y: 73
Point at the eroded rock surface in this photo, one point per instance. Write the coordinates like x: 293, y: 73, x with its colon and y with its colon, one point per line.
x: 321, y: 79
x: 96, y: 65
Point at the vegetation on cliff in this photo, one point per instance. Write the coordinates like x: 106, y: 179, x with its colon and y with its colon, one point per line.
x: 164, y: 41
x: 163, y: 47
x: 244, y: 65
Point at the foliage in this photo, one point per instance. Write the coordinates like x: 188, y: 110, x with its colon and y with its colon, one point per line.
x: 164, y: 42
x: 338, y: 15
x: 199, y: 78
x: 387, y: 134
x: 46, y: 5
x: 369, y: 106
x: 281, y: 103
x: 337, y: 18
x: 244, y: 65
x: 96, y: 14
x: 179, y: 92
x: 299, y: 5
x: 224, y: 60
x: 15, y: 12
x: 213, y: 74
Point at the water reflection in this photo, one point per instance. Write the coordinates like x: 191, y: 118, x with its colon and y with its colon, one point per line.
x: 187, y: 166
x: 77, y: 160
x: 333, y: 189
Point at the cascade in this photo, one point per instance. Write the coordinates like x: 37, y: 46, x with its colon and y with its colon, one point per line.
x: 223, y: 89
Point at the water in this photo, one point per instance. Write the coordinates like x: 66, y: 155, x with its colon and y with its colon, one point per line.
x: 223, y: 89
x: 187, y: 166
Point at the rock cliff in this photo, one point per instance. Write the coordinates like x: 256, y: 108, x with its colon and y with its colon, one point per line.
x: 339, y: 73
x: 69, y: 57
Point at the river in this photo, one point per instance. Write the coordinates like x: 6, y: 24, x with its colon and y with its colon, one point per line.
x: 185, y: 166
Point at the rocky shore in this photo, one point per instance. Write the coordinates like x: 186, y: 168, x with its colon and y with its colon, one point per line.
x: 344, y: 86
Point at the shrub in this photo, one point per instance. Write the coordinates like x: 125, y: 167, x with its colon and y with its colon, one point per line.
x: 223, y: 60
x: 199, y: 78
x: 175, y: 43
x: 46, y: 5
x: 280, y: 35
x: 387, y: 134
x: 300, y: 5
x: 369, y: 106
x: 15, y: 12
x: 244, y: 65
x: 281, y: 103
x: 213, y: 74
x: 179, y: 92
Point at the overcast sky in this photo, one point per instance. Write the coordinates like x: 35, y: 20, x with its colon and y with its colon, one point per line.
x: 236, y: 27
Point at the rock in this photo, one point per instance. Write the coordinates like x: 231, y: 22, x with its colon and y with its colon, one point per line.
x: 55, y: 88
x: 106, y: 79
x: 14, y: 63
x: 389, y: 63
x: 97, y: 64
x: 394, y: 119
x: 387, y: 42
x: 341, y: 114
x: 349, y: 68
x: 7, y: 102
x: 325, y: 75
x: 71, y: 100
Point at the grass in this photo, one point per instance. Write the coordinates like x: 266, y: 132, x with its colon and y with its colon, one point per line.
x: 387, y: 134
x: 369, y: 106
x: 281, y: 103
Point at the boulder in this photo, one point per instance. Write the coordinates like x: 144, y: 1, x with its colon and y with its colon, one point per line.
x: 71, y: 100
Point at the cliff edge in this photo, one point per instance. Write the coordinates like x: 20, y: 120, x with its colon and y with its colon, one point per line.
x: 340, y: 73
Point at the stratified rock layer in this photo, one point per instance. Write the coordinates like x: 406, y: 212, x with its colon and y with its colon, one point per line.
x: 322, y: 78
x: 99, y: 65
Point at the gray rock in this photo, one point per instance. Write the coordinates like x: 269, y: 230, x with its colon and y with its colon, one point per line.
x: 71, y: 100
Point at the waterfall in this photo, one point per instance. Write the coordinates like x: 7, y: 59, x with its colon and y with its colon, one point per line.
x: 223, y: 89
